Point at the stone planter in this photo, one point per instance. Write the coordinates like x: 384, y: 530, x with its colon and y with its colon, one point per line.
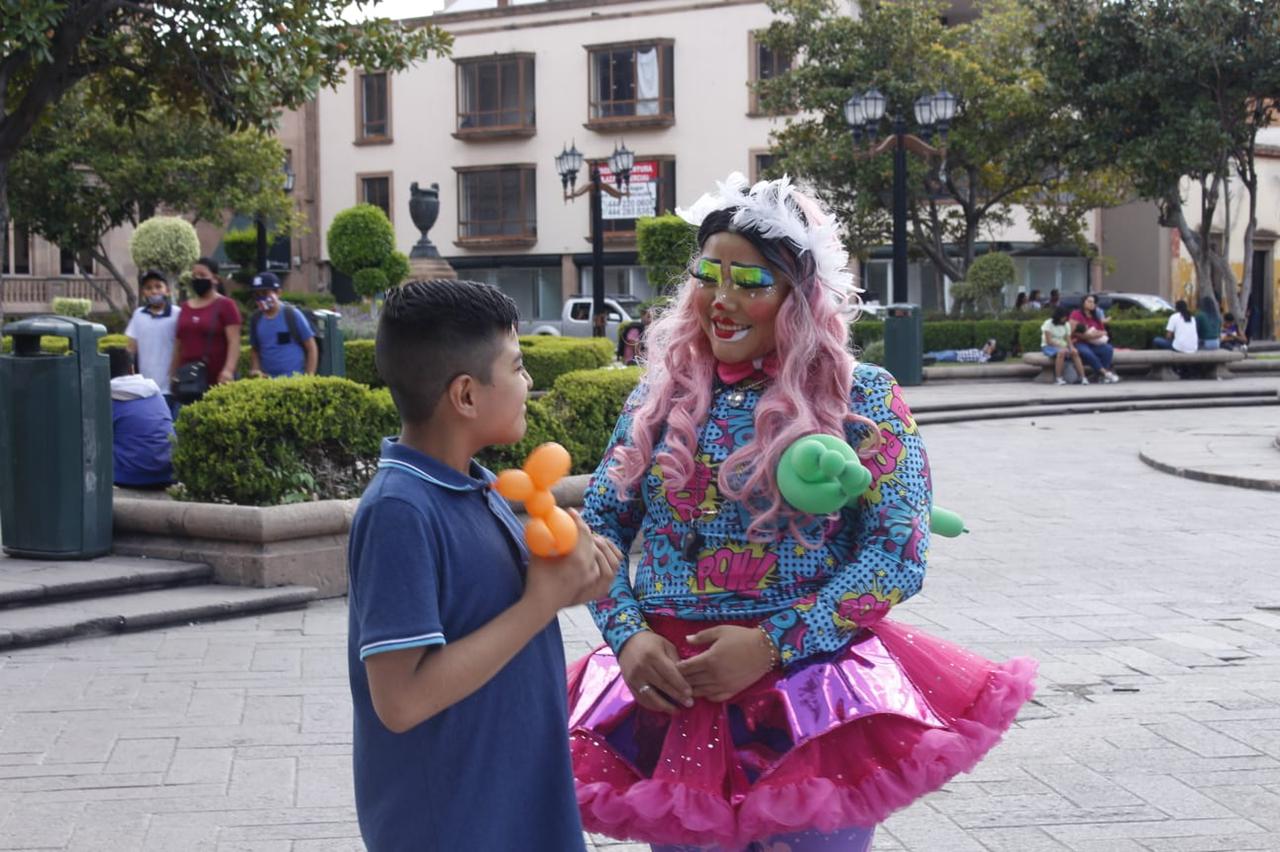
x: 301, y: 544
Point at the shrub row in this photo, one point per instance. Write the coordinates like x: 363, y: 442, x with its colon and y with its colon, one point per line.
x: 263, y: 443
x: 1012, y: 336
x: 547, y: 357
x: 579, y: 412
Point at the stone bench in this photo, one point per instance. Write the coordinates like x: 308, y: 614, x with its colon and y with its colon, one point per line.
x: 1160, y: 362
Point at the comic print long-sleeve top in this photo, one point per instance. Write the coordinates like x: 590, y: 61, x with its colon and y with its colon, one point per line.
x: 811, y: 601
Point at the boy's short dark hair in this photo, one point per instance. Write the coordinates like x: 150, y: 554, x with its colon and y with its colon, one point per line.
x: 120, y: 361
x: 431, y: 332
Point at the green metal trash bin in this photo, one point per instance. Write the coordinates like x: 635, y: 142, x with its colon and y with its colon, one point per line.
x: 904, y: 343
x: 55, y: 442
x: 333, y: 355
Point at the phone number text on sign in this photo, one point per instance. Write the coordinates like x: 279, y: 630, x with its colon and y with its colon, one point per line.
x: 642, y: 193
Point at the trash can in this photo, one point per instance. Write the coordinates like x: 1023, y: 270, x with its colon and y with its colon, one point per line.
x: 333, y: 355
x: 55, y: 442
x: 904, y: 343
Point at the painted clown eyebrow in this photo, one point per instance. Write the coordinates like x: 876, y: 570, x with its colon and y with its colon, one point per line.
x: 743, y: 275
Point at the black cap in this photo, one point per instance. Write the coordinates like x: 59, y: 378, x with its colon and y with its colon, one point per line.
x: 265, y: 281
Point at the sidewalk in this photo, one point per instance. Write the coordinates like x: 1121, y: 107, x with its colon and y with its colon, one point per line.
x: 1156, y: 728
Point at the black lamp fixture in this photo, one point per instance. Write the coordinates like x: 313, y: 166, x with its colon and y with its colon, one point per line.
x: 568, y: 163
x: 288, y: 176
x: 933, y: 113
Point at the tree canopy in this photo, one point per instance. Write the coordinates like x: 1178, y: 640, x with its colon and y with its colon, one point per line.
x: 1167, y: 89
x: 1007, y: 145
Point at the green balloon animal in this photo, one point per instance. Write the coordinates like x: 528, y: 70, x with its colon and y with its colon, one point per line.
x: 821, y: 474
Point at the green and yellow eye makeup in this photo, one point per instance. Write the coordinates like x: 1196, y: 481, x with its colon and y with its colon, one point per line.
x: 745, y: 277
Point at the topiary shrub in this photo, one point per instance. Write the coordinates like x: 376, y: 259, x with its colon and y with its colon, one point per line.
x: 664, y: 246
x: 987, y: 278
x: 873, y: 353
x: 585, y: 404
x: 61, y: 345
x: 362, y: 244
x: 360, y: 363
x: 166, y: 243
x: 241, y: 246
x: 547, y: 357
x: 370, y: 282
x: 67, y: 307
x: 267, y: 442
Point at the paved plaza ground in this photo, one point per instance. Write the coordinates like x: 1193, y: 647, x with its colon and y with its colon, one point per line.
x: 1143, y: 595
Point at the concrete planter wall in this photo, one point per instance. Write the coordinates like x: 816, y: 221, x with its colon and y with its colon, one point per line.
x: 301, y: 544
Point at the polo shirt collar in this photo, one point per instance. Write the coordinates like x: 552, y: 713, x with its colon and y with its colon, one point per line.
x: 397, y: 456
x: 168, y: 309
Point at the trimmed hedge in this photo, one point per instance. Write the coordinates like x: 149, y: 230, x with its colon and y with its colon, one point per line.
x: 263, y: 443
x: 62, y: 345
x: 1125, y: 334
x: 1004, y: 331
x: 867, y: 330
x: 547, y: 357
x: 360, y: 365
x: 579, y: 412
x: 68, y: 307
x: 948, y: 334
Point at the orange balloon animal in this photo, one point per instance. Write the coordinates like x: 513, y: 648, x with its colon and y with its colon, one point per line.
x: 551, y: 531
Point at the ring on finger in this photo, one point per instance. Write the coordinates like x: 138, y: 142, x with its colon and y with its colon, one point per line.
x: 645, y: 688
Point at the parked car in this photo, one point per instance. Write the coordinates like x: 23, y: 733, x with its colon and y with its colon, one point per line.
x: 1121, y: 301
x: 576, y: 317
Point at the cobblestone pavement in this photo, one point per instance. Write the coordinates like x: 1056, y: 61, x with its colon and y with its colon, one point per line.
x: 1157, y: 725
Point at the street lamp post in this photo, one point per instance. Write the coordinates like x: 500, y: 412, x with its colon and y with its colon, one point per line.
x: 287, y: 178
x: 933, y: 113
x: 568, y: 164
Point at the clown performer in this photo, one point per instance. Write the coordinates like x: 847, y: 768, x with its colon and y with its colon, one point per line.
x: 752, y: 694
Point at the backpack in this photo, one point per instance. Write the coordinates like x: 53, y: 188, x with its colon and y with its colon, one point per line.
x: 293, y: 317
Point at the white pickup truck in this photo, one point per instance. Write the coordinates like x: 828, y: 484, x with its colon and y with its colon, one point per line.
x: 575, y: 319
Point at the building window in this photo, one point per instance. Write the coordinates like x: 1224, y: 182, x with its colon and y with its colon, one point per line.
x: 766, y: 64
x: 652, y: 191
x: 69, y: 264
x: 17, y: 260
x: 495, y: 96
x: 497, y: 204
x: 761, y: 162
x: 536, y: 290
x: 373, y: 108
x: 632, y: 84
x: 375, y: 189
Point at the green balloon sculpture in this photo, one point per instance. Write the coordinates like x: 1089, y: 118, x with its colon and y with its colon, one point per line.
x: 821, y: 474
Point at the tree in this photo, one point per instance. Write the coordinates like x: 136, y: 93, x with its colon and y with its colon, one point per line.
x: 83, y: 174
x: 1006, y: 146
x: 237, y: 63
x: 1167, y: 90
x: 362, y: 244
x: 664, y: 245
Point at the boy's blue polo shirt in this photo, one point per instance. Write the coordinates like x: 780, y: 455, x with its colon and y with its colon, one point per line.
x: 434, y: 555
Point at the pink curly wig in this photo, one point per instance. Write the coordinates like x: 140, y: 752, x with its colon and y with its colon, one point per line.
x: 809, y: 395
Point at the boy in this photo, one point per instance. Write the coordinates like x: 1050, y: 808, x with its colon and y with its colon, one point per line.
x: 454, y: 654
x: 141, y: 427
x: 281, y: 341
x: 152, y: 330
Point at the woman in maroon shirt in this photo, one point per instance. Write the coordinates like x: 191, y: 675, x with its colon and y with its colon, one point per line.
x: 1094, y: 343
x: 208, y: 327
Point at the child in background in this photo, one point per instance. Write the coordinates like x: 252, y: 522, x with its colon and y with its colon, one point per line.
x: 1055, y: 333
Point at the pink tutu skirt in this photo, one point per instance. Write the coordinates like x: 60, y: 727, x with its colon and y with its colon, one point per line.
x: 837, y: 741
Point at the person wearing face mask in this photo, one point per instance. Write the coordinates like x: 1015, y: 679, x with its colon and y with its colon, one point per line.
x: 752, y: 692
x: 152, y: 330
x: 281, y: 340
x: 208, y: 331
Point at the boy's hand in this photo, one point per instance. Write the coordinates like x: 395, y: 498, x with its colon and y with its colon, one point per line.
x: 583, y: 574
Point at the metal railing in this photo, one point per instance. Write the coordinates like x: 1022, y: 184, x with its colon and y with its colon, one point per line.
x: 28, y: 295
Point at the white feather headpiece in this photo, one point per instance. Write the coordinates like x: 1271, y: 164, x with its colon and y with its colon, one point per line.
x: 774, y: 209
